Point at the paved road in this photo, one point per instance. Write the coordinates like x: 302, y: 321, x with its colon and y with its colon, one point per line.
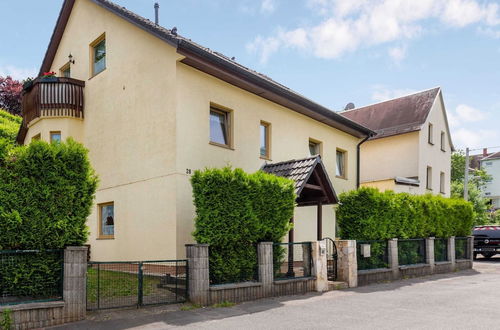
x: 461, y: 300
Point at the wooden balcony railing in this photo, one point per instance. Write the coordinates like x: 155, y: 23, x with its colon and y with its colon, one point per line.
x: 53, y: 97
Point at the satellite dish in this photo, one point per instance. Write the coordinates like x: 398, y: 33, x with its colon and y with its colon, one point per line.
x: 349, y: 106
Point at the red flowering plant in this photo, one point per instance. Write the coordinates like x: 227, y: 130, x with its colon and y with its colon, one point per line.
x: 48, y: 74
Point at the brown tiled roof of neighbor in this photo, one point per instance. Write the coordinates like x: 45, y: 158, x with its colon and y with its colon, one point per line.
x: 494, y: 155
x: 218, y: 65
x: 397, y: 116
x: 300, y: 171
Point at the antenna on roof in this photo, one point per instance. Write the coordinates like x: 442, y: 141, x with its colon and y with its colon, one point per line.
x: 349, y: 106
x: 157, y: 9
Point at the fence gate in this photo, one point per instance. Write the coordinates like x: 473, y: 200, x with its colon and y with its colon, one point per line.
x: 135, y: 283
x: 331, y: 258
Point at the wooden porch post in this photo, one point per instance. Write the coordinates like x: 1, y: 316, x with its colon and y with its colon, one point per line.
x: 320, y: 221
x: 290, y: 271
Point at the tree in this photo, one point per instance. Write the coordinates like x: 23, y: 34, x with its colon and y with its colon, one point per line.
x: 477, y: 181
x: 10, y: 95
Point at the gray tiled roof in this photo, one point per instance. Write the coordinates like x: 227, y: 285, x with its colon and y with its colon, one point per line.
x: 296, y: 170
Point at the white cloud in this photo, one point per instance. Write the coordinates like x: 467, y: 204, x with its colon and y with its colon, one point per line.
x: 464, y: 137
x: 17, y: 73
x: 381, y: 93
x: 267, y: 6
x: 467, y: 113
x: 489, y: 32
x: 347, y: 25
x: 397, y: 53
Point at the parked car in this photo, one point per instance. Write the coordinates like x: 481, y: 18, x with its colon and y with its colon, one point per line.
x: 486, y: 240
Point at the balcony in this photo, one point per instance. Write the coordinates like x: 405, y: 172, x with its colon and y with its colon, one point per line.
x: 53, y: 97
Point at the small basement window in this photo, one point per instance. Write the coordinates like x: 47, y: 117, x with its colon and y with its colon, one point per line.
x: 314, y: 147
x: 430, y: 137
x: 429, y: 178
x: 107, y: 220
x: 55, y: 137
x: 443, y: 141
x: 441, y: 183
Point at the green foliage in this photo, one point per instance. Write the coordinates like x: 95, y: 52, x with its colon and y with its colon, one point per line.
x: 411, y: 252
x: 440, y: 250
x: 9, y: 126
x: 6, y: 320
x: 368, y: 214
x: 235, y: 211
x: 46, y: 192
x: 477, y: 181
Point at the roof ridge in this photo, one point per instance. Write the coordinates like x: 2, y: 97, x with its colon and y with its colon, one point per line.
x: 396, y: 98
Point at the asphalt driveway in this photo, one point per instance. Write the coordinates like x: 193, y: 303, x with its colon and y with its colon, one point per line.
x: 462, y: 300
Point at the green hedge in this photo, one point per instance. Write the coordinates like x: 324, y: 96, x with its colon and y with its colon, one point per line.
x: 368, y: 214
x: 235, y: 211
x: 46, y: 194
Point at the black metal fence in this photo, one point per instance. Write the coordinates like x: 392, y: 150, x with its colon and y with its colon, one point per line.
x: 461, y: 248
x: 331, y: 258
x: 31, y: 276
x: 130, y: 283
x: 244, y: 268
x: 411, y: 251
x: 441, y: 249
x: 372, y: 254
x: 292, y: 260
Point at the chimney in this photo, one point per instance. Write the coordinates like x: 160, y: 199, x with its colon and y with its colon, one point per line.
x: 157, y: 8
x: 485, y: 152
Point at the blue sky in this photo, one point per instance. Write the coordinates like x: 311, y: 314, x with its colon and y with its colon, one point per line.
x: 332, y: 51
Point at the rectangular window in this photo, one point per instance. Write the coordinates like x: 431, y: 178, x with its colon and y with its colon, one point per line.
x: 340, y: 169
x: 441, y: 183
x: 314, y: 147
x: 430, y: 138
x: 36, y: 137
x: 66, y: 71
x: 429, y: 178
x: 265, y: 132
x: 220, y: 127
x: 443, y: 141
x: 107, y: 220
x: 98, y: 49
x: 55, y: 137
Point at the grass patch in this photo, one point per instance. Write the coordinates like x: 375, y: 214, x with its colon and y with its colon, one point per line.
x: 117, y: 284
x: 189, y: 307
x: 223, y: 304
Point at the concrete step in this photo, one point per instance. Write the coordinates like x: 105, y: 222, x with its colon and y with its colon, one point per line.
x: 336, y: 285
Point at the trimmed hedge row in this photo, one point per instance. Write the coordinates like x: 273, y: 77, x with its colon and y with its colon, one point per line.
x: 235, y: 211
x: 46, y: 193
x: 368, y: 214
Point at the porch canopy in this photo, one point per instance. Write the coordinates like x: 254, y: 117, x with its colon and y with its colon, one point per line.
x: 312, y: 185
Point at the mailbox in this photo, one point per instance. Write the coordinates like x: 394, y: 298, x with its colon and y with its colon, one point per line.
x: 365, y: 250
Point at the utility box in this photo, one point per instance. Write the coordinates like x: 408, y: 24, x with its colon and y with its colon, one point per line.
x: 365, y: 250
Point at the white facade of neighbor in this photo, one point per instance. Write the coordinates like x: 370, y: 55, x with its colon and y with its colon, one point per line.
x: 492, y: 187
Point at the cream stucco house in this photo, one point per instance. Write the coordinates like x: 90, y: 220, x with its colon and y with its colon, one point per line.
x: 411, y: 151
x: 152, y: 107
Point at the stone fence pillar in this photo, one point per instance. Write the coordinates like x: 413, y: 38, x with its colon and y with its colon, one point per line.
x: 266, y: 271
x: 347, y: 262
x: 74, y: 283
x: 429, y: 253
x: 319, y: 269
x: 392, y: 250
x: 199, y: 276
x: 451, y: 251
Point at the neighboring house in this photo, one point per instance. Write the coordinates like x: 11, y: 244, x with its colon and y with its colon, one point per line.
x: 152, y: 107
x: 412, y: 149
x: 490, y: 163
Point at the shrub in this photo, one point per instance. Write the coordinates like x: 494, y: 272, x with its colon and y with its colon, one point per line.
x: 235, y: 211
x: 46, y: 192
x: 368, y: 214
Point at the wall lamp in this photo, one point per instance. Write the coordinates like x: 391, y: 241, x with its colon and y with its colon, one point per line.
x: 70, y: 58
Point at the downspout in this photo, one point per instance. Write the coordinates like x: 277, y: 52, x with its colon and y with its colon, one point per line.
x: 358, y: 165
